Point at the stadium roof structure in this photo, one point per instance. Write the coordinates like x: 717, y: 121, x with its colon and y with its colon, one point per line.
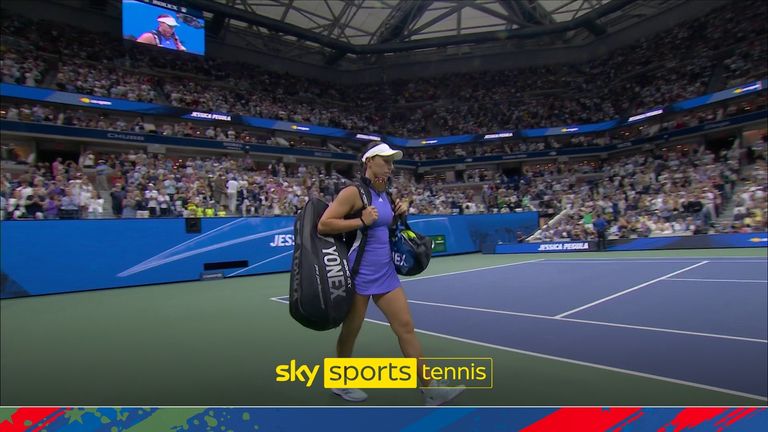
x: 333, y: 29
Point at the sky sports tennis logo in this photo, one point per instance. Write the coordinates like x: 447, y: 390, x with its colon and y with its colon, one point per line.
x: 389, y: 372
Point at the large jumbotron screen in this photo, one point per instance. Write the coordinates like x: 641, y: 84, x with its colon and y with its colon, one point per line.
x: 164, y: 24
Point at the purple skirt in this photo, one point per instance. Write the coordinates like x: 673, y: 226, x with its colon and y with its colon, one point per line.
x: 377, y: 271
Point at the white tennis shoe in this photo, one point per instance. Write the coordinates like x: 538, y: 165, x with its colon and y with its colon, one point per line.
x: 352, y: 395
x: 434, y: 396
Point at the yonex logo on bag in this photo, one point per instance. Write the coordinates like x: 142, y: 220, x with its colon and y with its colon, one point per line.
x: 399, y: 259
x: 334, y: 272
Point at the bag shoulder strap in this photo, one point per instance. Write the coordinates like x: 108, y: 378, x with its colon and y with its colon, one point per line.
x: 365, y: 194
x: 365, y: 197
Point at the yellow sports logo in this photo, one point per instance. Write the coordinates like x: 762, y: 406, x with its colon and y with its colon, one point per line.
x: 390, y: 372
x: 370, y: 373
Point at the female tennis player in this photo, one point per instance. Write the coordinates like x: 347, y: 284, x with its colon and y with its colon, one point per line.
x: 377, y: 278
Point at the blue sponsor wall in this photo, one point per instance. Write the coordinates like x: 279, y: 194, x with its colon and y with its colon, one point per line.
x: 473, y: 233
x: 46, y: 257
x: 741, y: 240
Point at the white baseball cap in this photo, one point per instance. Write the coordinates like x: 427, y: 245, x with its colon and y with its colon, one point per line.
x: 168, y: 20
x: 382, y: 150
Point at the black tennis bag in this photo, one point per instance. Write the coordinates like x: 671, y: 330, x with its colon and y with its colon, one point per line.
x: 411, y: 251
x: 322, y: 285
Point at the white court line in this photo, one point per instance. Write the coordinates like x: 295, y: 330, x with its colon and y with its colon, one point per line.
x: 260, y: 263
x: 573, y: 261
x: 735, y: 257
x: 719, y: 280
x: 471, y: 270
x: 406, y: 279
x: 628, y: 290
x: 581, y: 363
x: 614, y: 261
x: 665, y: 330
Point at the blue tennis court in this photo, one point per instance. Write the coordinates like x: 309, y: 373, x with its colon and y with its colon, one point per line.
x: 698, y: 321
x: 608, y: 329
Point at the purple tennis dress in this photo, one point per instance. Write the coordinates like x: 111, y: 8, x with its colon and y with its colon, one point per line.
x: 377, y: 271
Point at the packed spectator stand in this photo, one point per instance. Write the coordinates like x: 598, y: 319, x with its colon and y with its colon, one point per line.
x: 659, y: 192
x: 686, y: 61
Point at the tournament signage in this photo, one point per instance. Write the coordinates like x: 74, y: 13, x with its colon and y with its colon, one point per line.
x: 48, y: 95
x: 98, y: 134
x: 572, y: 246
x: 44, y: 129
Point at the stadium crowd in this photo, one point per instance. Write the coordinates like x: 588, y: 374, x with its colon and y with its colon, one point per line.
x: 662, y: 193
x: 21, y: 110
x: 665, y: 191
x: 682, y: 62
x: 653, y: 193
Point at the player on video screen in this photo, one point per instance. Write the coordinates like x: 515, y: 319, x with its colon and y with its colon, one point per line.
x: 164, y: 35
